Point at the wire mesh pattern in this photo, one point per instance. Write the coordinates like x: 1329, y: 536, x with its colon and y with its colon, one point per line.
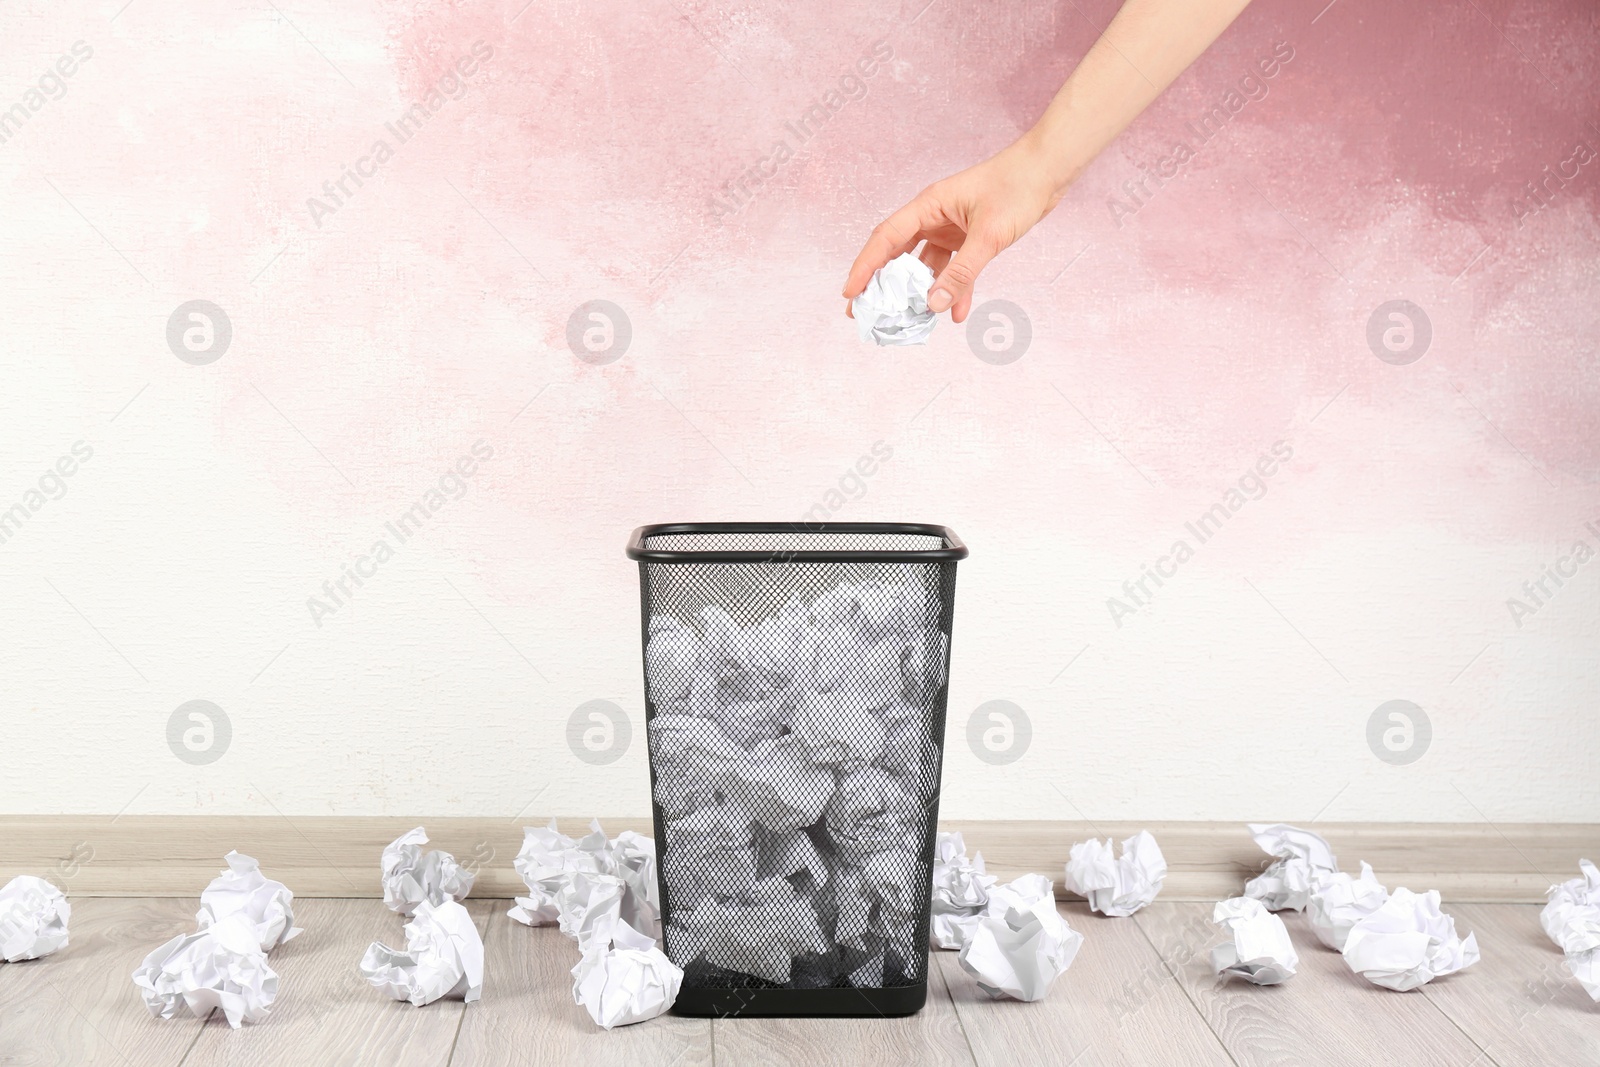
x: 796, y: 715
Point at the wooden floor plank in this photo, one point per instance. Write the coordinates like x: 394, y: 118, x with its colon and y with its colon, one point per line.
x: 1117, y: 1004
x: 931, y: 1038
x: 326, y: 1014
x: 1325, y: 1014
x: 80, y: 1006
x: 1521, y: 1005
x: 527, y: 1015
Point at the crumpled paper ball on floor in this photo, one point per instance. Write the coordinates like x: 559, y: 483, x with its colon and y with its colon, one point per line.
x: 221, y: 966
x: 1302, y: 859
x: 443, y: 957
x: 1408, y: 942
x: 1576, y: 900
x: 1258, y: 949
x: 960, y: 891
x: 33, y: 919
x: 1117, y: 886
x: 1022, y: 951
x: 412, y: 876
x: 243, y: 890
x: 625, y: 980
x: 1339, y: 901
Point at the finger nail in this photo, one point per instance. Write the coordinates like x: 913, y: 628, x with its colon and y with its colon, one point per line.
x: 939, y: 300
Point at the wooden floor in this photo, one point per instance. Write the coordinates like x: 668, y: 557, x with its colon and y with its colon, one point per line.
x: 1139, y: 993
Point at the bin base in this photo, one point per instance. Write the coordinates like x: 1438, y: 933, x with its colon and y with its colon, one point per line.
x: 725, y: 1003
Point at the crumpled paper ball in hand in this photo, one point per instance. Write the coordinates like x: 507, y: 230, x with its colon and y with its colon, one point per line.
x: 443, y: 957
x: 1117, y: 887
x: 411, y: 876
x: 1020, y: 952
x: 243, y: 890
x: 1408, y: 942
x: 626, y: 979
x: 960, y: 891
x: 893, y: 308
x: 33, y: 919
x: 1303, y: 859
x: 221, y: 966
x: 1339, y: 901
x: 1259, y: 950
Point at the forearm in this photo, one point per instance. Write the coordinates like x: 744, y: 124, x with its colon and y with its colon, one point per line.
x: 1145, y: 48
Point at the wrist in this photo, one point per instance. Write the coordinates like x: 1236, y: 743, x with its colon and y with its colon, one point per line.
x: 1050, y: 168
x: 1065, y: 140
x: 1050, y: 157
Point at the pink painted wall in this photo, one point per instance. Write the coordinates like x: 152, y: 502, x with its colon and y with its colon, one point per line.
x: 1178, y: 332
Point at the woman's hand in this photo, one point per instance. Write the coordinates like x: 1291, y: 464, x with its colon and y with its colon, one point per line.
x: 966, y: 220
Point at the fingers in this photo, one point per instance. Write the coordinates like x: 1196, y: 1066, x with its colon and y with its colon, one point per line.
x: 961, y: 309
x: 891, y: 237
x: 935, y: 257
x: 953, y: 287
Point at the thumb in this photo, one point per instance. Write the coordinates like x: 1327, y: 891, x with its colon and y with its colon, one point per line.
x: 954, y: 283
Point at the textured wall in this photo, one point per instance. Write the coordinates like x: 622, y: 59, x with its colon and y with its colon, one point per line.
x: 710, y: 169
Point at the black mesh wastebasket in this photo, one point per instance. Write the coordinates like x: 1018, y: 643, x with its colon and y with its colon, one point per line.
x: 795, y: 688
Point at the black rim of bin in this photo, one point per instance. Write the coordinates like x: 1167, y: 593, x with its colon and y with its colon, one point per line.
x: 951, y: 550
x: 705, y: 990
